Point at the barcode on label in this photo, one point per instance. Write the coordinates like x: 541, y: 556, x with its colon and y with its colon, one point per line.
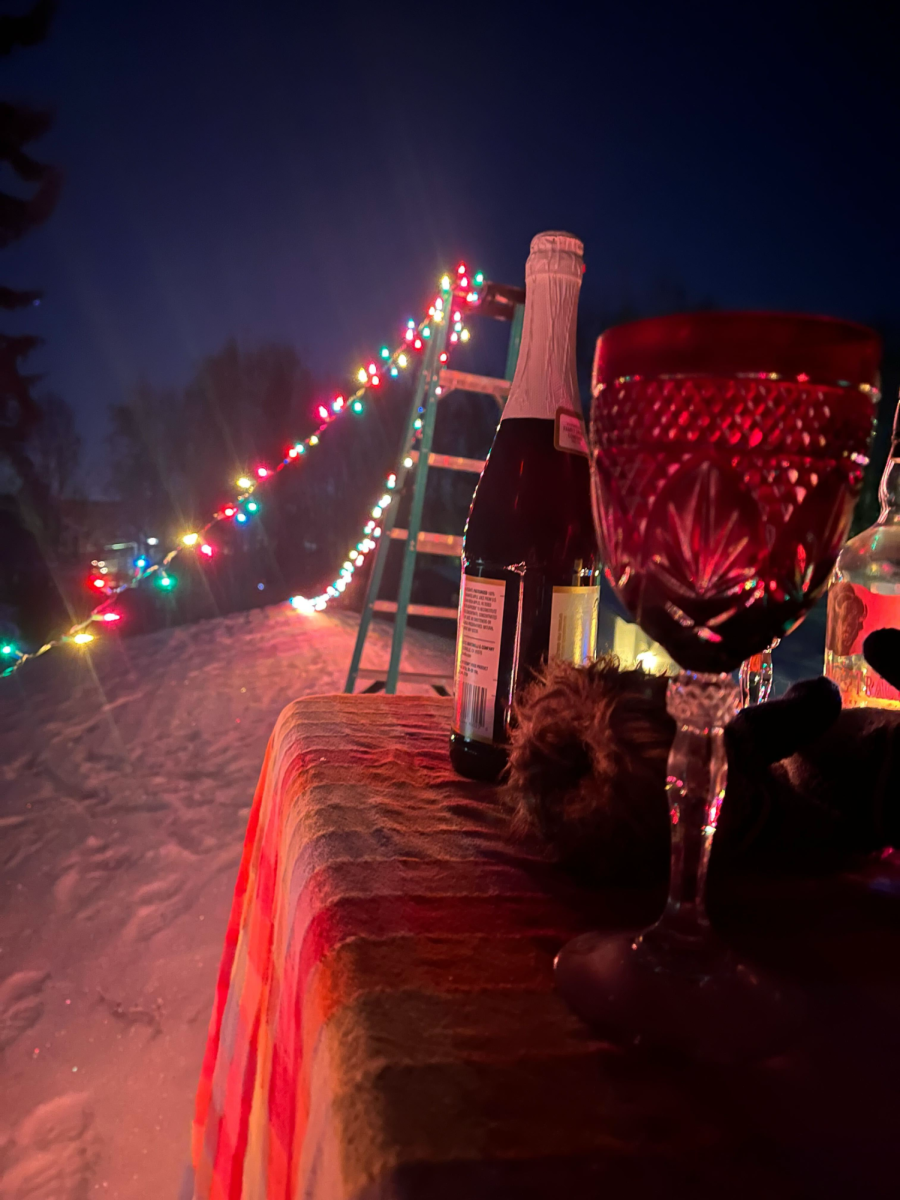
x: 472, y: 705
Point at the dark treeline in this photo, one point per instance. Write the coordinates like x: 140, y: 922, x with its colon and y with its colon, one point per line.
x: 175, y: 455
x: 30, y: 523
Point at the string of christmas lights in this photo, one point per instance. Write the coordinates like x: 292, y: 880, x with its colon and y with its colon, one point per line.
x: 368, y: 542
x: 458, y: 293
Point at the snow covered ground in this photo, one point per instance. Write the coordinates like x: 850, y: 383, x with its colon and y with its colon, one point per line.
x: 125, y: 783
x: 126, y: 777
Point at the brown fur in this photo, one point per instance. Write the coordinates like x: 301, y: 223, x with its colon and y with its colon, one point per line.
x: 587, y: 768
x: 587, y: 774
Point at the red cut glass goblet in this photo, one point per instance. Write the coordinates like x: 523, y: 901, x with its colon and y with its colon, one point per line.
x: 727, y: 453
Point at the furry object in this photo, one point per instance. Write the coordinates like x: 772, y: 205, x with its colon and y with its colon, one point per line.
x: 809, y: 787
x: 587, y: 768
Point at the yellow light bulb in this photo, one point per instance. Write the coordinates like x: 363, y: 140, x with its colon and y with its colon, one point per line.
x: 314, y: 441
x: 361, y: 375
x: 464, y: 336
x: 191, y: 539
x: 244, y: 482
x: 402, y: 360
x: 82, y: 639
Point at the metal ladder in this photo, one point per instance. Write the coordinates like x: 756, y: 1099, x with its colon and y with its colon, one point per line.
x: 434, y: 383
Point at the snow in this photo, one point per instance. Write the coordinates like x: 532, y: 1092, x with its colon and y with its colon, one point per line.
x: 126, y: 776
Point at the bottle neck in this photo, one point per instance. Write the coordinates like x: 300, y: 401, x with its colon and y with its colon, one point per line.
x: 889, y: 489
x: 545, y: 380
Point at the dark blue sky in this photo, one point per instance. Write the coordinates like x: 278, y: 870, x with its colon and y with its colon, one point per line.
x: 258, y: 168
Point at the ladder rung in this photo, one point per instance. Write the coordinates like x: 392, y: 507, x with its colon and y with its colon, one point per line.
x: 462, y: 381
x: 404, y: 676
x: 417, y: 610
x: 450, y: 462
x: 432, y: 543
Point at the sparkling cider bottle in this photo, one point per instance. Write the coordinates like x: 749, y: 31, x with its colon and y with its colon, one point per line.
x: 864, y: 595
x: 531, y: 571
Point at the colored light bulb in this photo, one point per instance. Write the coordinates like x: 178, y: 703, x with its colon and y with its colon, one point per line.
x: 361, y: 375
x: 385, y: 353
x: 191, y: 539
x: 82, y: 639
x: 243, y: 483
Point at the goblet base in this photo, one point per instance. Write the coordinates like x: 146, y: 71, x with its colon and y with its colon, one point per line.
x: 694, y: 998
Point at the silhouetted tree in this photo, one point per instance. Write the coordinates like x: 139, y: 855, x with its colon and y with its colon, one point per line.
x: 174, y: 456
x: 55, y: 446
x: 144, y: 458
x: 31, y: 523
x: 19, y: 126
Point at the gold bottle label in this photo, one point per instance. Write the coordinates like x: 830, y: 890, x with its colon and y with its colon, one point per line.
x: 573, y: 624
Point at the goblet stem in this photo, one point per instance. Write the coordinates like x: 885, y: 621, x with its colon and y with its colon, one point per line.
x: 756, y: 677
x: 677, y: 985
x: 702, y: 705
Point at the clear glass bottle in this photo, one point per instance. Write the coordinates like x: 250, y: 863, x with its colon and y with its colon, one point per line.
x: 531, y: 569
x: 864, y: 595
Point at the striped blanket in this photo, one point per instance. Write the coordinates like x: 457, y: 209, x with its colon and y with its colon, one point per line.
x: 385, y: 1024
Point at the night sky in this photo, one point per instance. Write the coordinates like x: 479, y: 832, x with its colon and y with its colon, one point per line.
x: 261, y: 169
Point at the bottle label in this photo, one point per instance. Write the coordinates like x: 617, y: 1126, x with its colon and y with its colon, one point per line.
x: 573, y: 624
x: 478, y: 656
x: 853, y: 613
x: 569, y: 432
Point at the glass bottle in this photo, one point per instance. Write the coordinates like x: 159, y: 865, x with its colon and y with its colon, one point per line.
x: 531, y: 571
x: 864, y: 595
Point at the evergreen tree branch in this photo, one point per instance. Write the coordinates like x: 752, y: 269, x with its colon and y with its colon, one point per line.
x: 27, y: 29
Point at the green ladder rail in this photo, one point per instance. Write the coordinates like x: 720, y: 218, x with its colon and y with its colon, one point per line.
x: 434, y: 384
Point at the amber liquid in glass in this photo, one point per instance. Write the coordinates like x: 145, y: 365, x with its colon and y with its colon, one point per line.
x: 530, y: 528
